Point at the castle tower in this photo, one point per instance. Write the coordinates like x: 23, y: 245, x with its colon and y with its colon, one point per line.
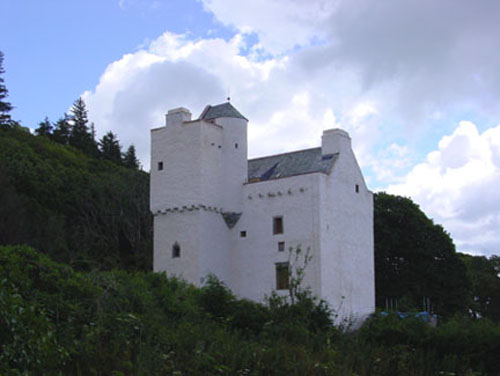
x: 198, y: 168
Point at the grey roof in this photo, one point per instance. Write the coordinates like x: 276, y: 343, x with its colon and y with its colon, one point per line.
x: 290, y: 164
x: 221, y: 110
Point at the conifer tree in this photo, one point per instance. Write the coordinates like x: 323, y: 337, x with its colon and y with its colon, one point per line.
x: 129, y: 158
x: 110, y: 148
x: 62, y: 130
x: 5, y: 107
x: 44, y: 128
x: 81, y: 136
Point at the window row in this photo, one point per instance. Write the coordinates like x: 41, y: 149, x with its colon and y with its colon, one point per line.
x: 282, y: 268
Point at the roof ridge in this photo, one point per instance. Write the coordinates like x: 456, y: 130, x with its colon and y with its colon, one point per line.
x: 285, y: 153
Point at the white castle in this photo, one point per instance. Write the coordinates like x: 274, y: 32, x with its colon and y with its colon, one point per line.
x: 216, y: 212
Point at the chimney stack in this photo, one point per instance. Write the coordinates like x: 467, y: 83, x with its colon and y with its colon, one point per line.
x: 335, y: 141
x: 177, y: 116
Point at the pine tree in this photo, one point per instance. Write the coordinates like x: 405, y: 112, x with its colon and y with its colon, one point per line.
x: 110, y: 148
x: 129, y: 158
x: 62, y: 130
x: 44, y: 128
x: 81, y: 136
x: 5, y: 107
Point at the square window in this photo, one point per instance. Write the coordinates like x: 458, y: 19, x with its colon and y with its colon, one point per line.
x: 281, y: 246
x: 160, y: 166
x: 243, y: 234
x: 282, y: 275
x: 277, y: 225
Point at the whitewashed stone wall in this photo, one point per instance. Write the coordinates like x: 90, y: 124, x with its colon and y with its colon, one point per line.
x: 205, y: 173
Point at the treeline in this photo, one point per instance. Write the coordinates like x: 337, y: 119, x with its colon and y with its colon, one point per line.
x: 74, y: 129
x: 417, y: 267
x: 55, y: 321
x: 86, y: 212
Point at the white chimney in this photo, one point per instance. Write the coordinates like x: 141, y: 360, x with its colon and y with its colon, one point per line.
x: 177, y: 116
x: 335, y: 141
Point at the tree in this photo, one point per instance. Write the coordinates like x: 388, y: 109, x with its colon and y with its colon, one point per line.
x: 129, y: 158
x: 110, y: 148
x: 415, y: 260
x: 44, y: 128
x: 62, y: 130
x: 81, y: 136
x: 485, y: 286
x: 5, y: 107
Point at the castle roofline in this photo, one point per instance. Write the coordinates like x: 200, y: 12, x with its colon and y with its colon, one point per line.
x: 219, y: 111
x: 289, y: 164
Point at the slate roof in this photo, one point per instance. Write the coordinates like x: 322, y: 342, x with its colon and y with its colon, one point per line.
x: 290, y: 164
x: 221, y: 110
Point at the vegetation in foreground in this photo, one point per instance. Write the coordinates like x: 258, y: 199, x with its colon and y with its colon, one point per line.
x: 54, y: 320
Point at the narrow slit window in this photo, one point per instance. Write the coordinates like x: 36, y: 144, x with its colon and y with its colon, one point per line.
x: 277, y: 225
x: 357, y: 188
x: 282, y: 275
x: 176, y: 250
x: 236, y: 146
x: 281, y: 246
x: 160, y: 166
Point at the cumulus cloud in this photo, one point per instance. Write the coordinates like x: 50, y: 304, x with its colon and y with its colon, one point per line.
x: 287, y: 109
x: 457, y: 185
x: 426, y: 55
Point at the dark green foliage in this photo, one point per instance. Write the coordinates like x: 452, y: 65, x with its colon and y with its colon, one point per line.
x: 54, y: 321
x: 88, y: 213
x: 81, y: 136
x: 105, y: 323
x: 62, y: 130
x: 5, y: 107
x: 110, y: 148
x: 415, y: 259
x: 129, y: 158
x: 44, y: 128
x: 484, y: 299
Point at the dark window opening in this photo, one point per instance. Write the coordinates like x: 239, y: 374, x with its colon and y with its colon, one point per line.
x: 236, y: 146
x: 176, y: 250
x: 219, y: 146
x: 243, y: 234
x: 281, y: 246
x: 282, y: 276
x: 160, y: 166
x: 277, y: 225
x: 357, y: 188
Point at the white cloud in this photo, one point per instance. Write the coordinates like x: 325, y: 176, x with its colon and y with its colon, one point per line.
x: 280, y: 25
x: 458, y: 184
x: 392, y: 73
x: 287, y: 109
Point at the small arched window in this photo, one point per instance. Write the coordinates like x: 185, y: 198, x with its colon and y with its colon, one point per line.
x: 176, y: 250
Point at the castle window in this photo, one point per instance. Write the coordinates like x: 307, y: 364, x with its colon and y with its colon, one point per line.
x: 277, y: 225
x: 357, y: 188
x: 236, y: 146
x: 282, y: 275
x: 243, y: 234
x: 281, y: 246
x: 160, y: 166
x: 176, y: 250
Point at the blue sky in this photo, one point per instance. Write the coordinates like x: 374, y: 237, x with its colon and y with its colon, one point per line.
x: 415, y: 83
x: 57, y: 49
